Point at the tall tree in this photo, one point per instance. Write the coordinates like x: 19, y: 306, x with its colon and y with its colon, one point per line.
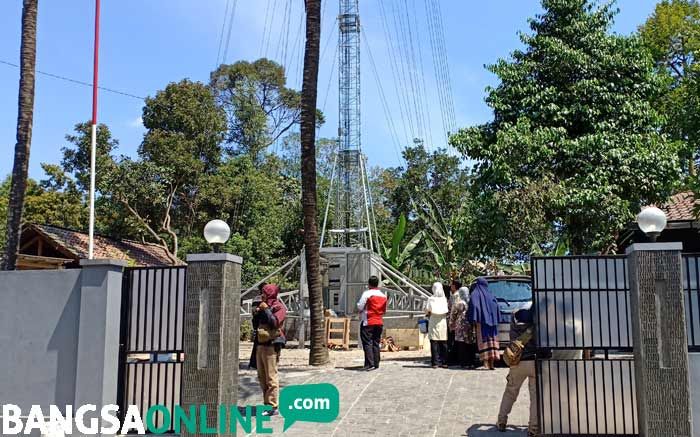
x: 259, y: 106
x: 574, y: 110
x: 437, y: 174
x: 672, y: 36
x: 25, y: 118
x: 181, y: 147
x: 319, y: 352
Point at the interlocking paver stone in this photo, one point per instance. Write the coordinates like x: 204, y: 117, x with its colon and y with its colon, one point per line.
x: 402, y: 398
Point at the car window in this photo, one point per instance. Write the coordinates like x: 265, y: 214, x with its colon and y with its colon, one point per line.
x: 512, y: 291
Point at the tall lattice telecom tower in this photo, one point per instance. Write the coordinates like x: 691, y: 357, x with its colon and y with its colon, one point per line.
x: 353, y: 222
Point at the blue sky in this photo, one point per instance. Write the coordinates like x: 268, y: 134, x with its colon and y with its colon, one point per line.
x: 146, y: 44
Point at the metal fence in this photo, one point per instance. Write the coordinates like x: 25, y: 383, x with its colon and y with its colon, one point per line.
x: 691, y: 286
x: 582, y: 310
x: 152, y: 352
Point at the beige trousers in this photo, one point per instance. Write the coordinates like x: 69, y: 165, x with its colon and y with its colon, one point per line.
x: 266, y: 358
x: 516, y: 377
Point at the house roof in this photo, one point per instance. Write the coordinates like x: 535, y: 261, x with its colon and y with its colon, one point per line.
x: 681, y: 207
x: 75, y: 244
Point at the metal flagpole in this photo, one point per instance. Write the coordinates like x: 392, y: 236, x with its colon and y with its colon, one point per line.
x: 93, y: 143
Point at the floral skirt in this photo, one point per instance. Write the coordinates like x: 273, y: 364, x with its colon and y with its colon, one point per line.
x: 489, y: 347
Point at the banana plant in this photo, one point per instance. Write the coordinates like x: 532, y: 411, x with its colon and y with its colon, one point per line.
x: 560, y: 248
x: 441, y: 238
x: 396, y: 256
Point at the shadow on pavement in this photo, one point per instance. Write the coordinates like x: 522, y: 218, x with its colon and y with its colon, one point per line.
x: 482, y: 430
x: 388, y: 357
x: 355, y: 368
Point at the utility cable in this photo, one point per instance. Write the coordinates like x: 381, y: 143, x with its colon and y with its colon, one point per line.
x: 230, y: 27
x: 398, y: 85
x: 262, y: 42
x: 221, y: 35
x: 79, y: 82
x: 382, y: 97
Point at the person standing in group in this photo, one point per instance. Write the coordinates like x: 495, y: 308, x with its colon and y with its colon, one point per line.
x: 483, y: 312
x: 464, y: 334
x: 452, y: 352
x: 372, y: 306
x: 522, y: 331
x: 436, y: 309
x: 269, y: 319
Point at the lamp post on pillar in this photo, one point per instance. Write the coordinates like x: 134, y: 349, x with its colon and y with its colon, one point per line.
x: 652, y: 221
x: 659, y: 331
x: 217, y: 233
x: 212, y: 326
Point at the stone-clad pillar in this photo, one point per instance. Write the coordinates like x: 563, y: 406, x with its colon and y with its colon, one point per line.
x: 212, y: 332
x: 660, y: 342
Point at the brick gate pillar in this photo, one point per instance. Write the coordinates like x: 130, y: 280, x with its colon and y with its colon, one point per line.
x: 660, y: 342
x: 212, y: 333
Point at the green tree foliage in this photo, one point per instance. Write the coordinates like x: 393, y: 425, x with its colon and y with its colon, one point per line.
x: 182, y: 145
x: 431, y: 193
x: 261, y: 206
x: 260, y: 108
x: 75, y: 163
x: 573, y: 126
x: 437, y: 174
x: 182, y: 177
x: 73, y: 173
x: 50, y: 205
x: 672, y: 35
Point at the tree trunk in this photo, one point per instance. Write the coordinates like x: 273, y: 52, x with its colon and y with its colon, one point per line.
x: 25, y: 116
x: 319, y: 352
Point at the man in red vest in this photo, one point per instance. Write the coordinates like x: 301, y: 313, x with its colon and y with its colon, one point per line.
x: 372, y: 305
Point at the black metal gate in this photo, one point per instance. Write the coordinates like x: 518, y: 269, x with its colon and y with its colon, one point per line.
x: 151, y: 345
x: 691, y: 286
x: 585, y: 365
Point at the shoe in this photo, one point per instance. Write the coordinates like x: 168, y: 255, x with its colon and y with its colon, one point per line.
x: 372, y: 368
x: 434, y: 366
x: 501, y: 427
x: 272, y: 412
x: 445, y: 366
x: 366, y: 368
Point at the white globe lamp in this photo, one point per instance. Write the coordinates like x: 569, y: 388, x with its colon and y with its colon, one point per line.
x: 652, y: 221
x: 217, y: 232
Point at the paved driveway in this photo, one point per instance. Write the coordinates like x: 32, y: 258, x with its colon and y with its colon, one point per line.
x: 403, y: 398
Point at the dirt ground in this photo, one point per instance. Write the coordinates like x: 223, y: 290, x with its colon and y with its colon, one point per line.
x: 293, y: 357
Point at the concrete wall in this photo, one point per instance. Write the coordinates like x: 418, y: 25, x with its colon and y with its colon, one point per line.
x: 694, y: 361
x: 39, y: 322
x: 59, y: 335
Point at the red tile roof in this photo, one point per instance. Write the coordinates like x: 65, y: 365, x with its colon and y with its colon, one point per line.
x: 681, y: 207
x: 76, y: 243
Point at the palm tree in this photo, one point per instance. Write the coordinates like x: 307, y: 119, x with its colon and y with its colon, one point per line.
x: 25, y: 119
x: 319, y: 352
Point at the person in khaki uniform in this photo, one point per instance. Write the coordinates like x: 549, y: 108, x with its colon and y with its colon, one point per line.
x: 269, y: 318
x: 525, y: 369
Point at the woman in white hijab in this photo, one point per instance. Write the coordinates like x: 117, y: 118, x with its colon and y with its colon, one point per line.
x: 436, y: 310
